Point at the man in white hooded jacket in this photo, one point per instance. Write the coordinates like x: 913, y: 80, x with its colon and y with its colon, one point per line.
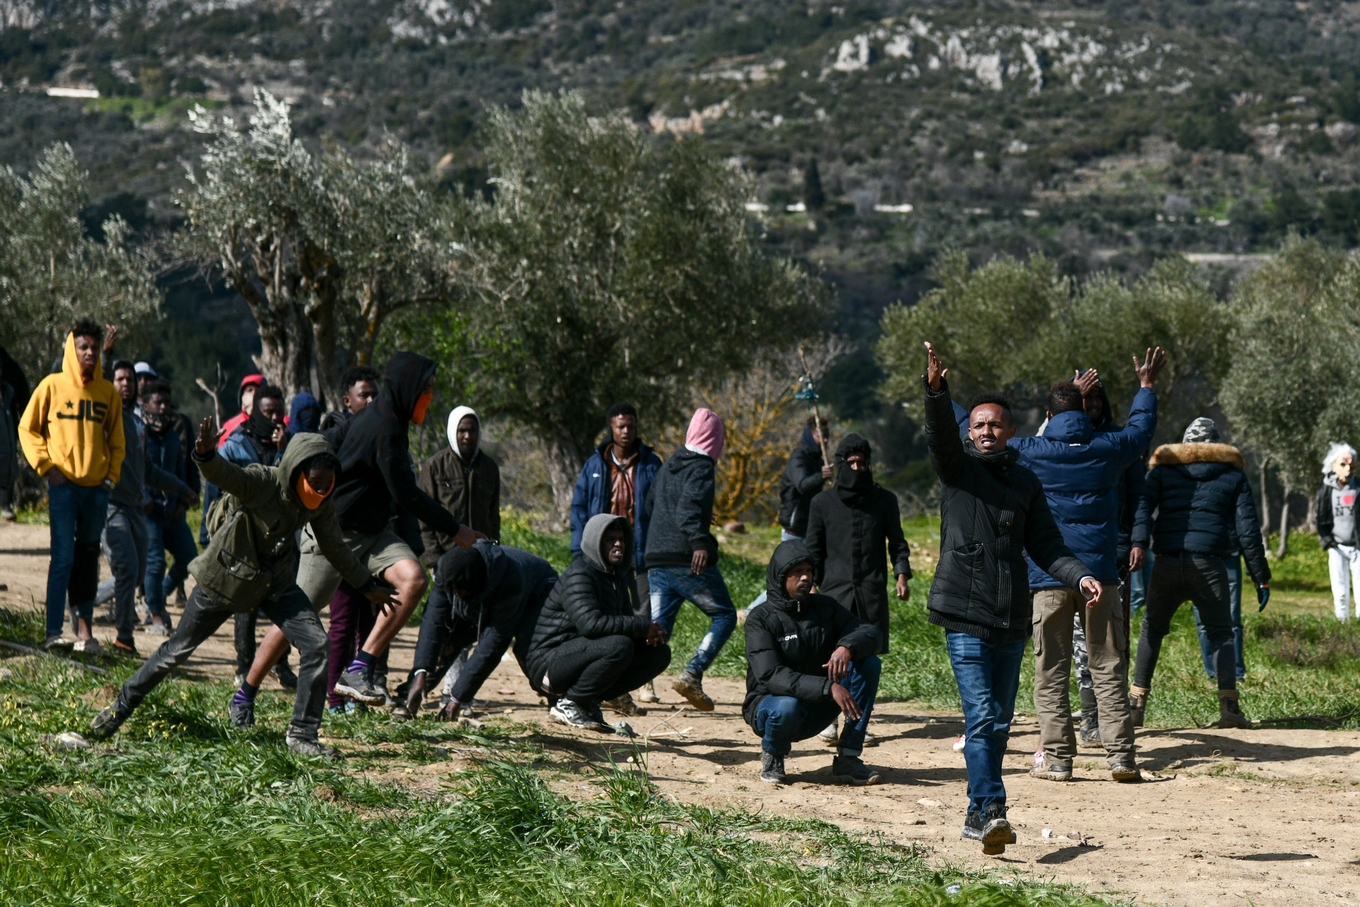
x: 1336, y: 526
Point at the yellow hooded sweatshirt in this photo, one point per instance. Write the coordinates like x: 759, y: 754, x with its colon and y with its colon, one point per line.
x: 74, y: 424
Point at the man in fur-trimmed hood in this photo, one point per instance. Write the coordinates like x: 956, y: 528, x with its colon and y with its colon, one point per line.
x: 1199, y: 493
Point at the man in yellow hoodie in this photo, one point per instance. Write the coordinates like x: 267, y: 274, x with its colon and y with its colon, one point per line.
x: 72, y: 434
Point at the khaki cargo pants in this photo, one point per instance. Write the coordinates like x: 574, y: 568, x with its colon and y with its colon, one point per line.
x: 1054, y: 610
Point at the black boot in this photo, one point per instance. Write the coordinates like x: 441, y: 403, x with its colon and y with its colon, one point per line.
x: 1089, y: 732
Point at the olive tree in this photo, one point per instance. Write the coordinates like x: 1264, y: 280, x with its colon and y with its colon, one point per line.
x: 609, y: 266
x: 51, y: 272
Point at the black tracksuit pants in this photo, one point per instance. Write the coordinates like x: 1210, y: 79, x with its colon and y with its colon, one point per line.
x: 589, y: 670
x: 1203, y: 580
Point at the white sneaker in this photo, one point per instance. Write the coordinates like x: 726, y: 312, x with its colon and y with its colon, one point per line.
x: 958, y: 744
x: 828, y: 734
x: 648, y: 693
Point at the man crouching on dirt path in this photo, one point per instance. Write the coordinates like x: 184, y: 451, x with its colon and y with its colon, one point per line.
x: 992, y: 512
x: 809, y: 659
x: 251, y: 563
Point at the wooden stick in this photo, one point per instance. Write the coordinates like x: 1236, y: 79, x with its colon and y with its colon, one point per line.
x: 816, y: 413
x: 28, y: 650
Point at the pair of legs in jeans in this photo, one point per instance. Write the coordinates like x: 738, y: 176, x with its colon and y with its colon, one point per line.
x: 291, y: 611
x: 170, y: 535
x: 988, y: 675
x: 781, y: 721
x: 1202, y: 580
x: 673, y: 586
x: 77, y: 514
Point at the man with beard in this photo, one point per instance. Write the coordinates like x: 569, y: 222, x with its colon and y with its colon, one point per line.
x: 849, y: 527
x: 808, y: 660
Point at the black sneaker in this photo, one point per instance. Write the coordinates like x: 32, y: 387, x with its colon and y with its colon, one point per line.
x: 358, y: 685
x: 285, y: 676
x: 241, y: 714
x: 850, y: 770
x: 310, y: 746
x: 107, y: 722
x: 577, y: 715
x: 996, y: 830
x: 772, y: 768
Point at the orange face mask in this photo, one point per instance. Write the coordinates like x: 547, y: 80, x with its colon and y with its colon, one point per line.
x: 309, y: 496
x: 422, y: 404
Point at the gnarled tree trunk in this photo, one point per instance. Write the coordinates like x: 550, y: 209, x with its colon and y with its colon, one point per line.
x: 1284, y: 522
x: 564, y: 466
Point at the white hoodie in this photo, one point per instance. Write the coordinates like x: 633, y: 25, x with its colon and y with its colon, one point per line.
x: 457, y: 416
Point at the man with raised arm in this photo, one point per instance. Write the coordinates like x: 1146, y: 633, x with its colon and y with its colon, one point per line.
x: 992, y: 512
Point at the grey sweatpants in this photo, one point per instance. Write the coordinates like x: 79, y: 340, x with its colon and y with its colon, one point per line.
x: 125, y: 545
x: 291, y: 611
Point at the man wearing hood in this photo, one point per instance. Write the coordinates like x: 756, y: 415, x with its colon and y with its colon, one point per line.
x: 304, y: 414
x: 1336, y: 526
x: 616, y: 479
x: 1081, y: 471
x: 1199, y: 494
x: 490, y: 595
x: 245, y: 396
x: 260, y: 439
x: 682, y: 554
x: 808, y: 659
x: 250, y: 565
x: 992, y: 512
x: 804, y: 478
x: 376, y: 480
x: 590, y: 642
x: 71, y: 433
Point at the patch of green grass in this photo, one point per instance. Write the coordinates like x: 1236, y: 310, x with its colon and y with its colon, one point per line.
x: 198, y: 813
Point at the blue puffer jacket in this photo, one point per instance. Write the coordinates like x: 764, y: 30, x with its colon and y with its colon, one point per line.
x: 1203, y: 504
x: 1081, y: 471
x: 593, y: 490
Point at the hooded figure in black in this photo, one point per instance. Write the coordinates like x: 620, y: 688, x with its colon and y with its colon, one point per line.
x: 492, y: 594
x: 852, y: 528
x: 808, y: 660
x: 803, y: 477
x: 590, y: 643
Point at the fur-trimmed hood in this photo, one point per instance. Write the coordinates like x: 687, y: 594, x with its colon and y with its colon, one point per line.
x: 1199, y: 452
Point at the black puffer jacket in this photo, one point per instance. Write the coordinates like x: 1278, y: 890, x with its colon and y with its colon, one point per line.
x: 800, y: 483
x: 992, y: 512
x: 589, y: 600
x: 1201, y: 498
x: 680, y: 510
x: 375, y: 457
x: 788, y: 640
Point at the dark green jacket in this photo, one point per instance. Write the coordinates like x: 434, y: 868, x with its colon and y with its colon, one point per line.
x: 253, y: 557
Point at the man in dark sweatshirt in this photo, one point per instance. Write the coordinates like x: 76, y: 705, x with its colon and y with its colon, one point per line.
x: 490, y: 595
x: 992, y: 512
x: 809, y: 659
x: 376, y: 476
x: 682, y: 554
x: 804, y: 476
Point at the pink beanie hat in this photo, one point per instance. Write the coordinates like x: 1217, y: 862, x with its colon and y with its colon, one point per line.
x: 705, y: 432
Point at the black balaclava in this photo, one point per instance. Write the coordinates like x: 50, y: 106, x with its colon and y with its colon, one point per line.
x: 463, y: 570
x: 259, y: 426
x: 851, y: 485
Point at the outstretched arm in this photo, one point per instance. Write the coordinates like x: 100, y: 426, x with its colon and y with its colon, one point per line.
x: 942, y: 431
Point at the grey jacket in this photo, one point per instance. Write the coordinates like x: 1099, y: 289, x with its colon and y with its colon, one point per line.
x: 138, y: 472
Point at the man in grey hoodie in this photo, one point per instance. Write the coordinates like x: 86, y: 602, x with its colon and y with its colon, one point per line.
x: 1336, y: 526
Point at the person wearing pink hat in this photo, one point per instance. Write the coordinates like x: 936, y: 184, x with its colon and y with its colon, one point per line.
x: 682, y: 554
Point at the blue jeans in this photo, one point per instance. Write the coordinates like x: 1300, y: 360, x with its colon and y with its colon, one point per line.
x: 782, y: 720
x: 988, y: 675
x: 77, y: 515
x: 174, y: 536
x: 1234, y: 565
x: 1138, y: 582
x: 672, y: 586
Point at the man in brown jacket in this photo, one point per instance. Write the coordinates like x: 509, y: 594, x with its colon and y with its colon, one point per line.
x: 467, y: 483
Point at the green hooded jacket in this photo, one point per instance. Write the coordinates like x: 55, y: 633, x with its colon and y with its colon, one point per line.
x: 254, y: 555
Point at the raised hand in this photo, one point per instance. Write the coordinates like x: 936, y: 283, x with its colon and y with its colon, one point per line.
x: 110, y: 337
x: 207, y: 437
x: 1087, y: 381
x: 1150, y: 367
x: 934, y: 370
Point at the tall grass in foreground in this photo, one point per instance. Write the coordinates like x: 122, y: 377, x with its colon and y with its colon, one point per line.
x: 179, y: 809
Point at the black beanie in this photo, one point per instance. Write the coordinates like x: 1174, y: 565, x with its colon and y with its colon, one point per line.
x: 463, y: 570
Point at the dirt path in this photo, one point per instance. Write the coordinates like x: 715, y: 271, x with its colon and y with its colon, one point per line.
x: 1263, y: 817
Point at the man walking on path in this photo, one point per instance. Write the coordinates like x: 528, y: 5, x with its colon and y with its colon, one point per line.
x: 808, y: 660
x: 125, y: 537
x: 1081, y: 471
x: 1336, y: 526
x: 616, y: 480
x: 250, y: 563
x: 376, y: 477
x: 682, y: 554
x: 72, y: 435
x: 1199, y: 494
x: 992, y: 512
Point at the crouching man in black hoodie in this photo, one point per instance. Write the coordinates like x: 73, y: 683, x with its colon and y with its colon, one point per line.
x: 808, y: 660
